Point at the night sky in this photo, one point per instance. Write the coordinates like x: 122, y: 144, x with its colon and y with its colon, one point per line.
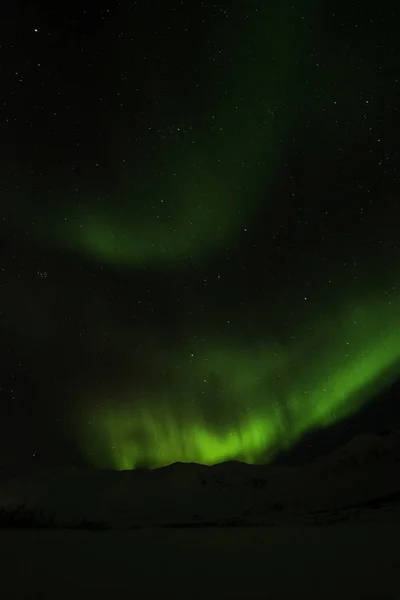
x: 200, y: 220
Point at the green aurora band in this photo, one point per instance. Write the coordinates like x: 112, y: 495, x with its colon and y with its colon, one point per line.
x: 265, y: 407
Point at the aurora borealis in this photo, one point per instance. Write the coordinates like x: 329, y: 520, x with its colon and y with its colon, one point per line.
x: 201, y: 216
x: 250, y: 403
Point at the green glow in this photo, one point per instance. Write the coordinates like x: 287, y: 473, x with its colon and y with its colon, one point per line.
x: 190, y: 197
x: 236, y: 403
x: 208, y: 182
x: 166, y: 441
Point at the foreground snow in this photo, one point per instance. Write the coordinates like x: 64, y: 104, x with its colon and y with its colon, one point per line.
x: 346, y: 562
x: 328, y: 530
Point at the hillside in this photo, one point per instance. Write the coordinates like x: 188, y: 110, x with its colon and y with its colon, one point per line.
x: 354, y: 475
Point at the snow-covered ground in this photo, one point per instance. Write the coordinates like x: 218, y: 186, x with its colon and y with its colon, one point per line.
x: 330, y: 529
x: 342, y: 563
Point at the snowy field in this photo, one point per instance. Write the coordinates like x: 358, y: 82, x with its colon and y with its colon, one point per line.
x: 328, y: 530
x: 344, y: 561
